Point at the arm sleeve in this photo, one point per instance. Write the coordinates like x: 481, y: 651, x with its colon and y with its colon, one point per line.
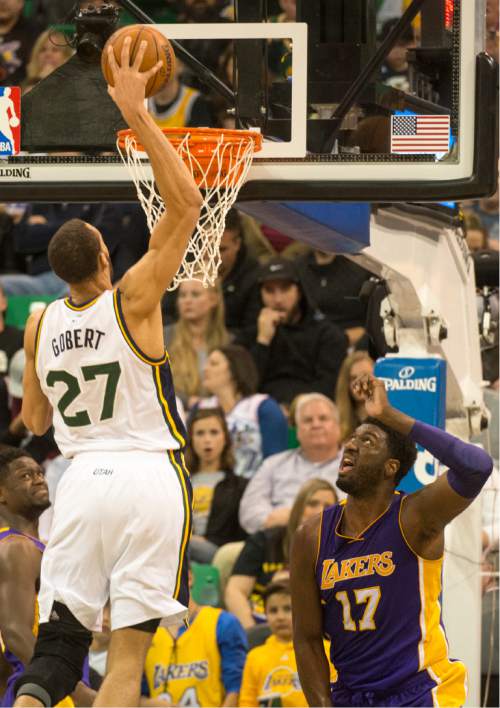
x: 255, y: 505
x: 469, y: 465
x: 233, y: 647
x: 273, y: 428
x: 331, y: 353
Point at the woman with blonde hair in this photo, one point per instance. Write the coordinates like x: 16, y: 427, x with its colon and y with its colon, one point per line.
x: 351, y: 408
x: 50, y: 51
x: 199, y: 329
x: 267, y: 552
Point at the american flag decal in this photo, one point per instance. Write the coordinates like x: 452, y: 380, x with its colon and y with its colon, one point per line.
x: 420, y: 134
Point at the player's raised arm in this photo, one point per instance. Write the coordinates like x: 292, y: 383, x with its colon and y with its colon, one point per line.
x: 312, y: 664
x: 145, y: 283
x: 426, y: 512
x: 36, y: 410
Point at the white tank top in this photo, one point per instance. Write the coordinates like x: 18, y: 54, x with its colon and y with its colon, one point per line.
x: 106, y: 393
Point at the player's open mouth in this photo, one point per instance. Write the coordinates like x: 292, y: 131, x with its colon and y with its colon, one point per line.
x: 346, y: 465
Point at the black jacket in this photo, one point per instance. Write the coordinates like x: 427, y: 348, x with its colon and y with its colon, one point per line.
x: 241, y: 292
x: 223, y: 525
x: 302, y: 358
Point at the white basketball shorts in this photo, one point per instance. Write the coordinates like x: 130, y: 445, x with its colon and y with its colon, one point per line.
x: 121, y: 527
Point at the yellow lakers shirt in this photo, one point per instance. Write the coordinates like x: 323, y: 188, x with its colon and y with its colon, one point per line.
x: 271, y: 669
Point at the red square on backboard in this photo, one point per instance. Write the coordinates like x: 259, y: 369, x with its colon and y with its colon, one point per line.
x: 10, y: 120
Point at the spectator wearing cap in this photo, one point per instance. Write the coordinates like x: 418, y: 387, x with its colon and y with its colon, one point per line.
x: 238, y: 272
x: 394, y: 70
x: 294, y: 351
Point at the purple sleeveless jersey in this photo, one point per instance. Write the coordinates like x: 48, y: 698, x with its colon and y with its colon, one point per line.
x: 381, y: 610
x: 17, y: 666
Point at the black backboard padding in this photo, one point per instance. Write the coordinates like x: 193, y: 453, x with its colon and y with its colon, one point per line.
x: 70, y: 110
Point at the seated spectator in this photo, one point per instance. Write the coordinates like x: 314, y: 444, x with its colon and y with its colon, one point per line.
x: 280, y: 51
x: 475, y: 233
x: 394, y: 70
x: 350, y: 406
x: 11, y: 341
x: 199, y: 329
x: 267, y: 552
x: 333, y: 283
x: 51, y: 51
x: 17, y: 37
x: 177, y: 105
x: 270, y: 493
x: 31, y: 237
x: 271, y: 669
x: 198, y: 664
x: 256, y: 423
x: 238, y: 273
x: 217, y: 491
x: 294, y: 352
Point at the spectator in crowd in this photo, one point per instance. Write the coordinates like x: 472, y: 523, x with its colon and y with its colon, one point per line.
x: 217, y: 491
x: 51, y: 51
x: 333, y: 283
x: 266, y: 553
x: 199, y: 329
x: 199, y: 663
x: 294, y: 352
x: 256, y: 423
x: 280, y: 51
x: 394, y: 70
x: 270, y: 493
x: 11, y: 341
x: 487, y: 210
x: 475, y: 233
x: 178, y: 105
x: 17, y: 37
x: 350, y: 405
x: 238, y: 273
x: 31, y: 235
x: 271, y: 669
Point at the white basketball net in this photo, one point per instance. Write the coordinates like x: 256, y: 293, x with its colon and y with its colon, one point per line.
x: 202, y: 259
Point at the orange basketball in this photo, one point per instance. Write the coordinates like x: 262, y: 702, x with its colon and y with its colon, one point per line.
x: 159, y: 48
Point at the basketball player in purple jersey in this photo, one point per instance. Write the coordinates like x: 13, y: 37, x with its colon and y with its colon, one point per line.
x: 367, y: 572
x: 24, y: 495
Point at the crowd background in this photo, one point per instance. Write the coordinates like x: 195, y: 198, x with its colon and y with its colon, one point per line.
x: 263, y: 363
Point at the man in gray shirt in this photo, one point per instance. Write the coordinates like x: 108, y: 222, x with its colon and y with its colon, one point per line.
x: 271, y: 492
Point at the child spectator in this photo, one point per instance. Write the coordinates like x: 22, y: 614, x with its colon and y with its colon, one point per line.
x: 217, y: 491
x: 256, y: 423
x: 266, y: 552
x: 270, y: 676
x: 351, y: 408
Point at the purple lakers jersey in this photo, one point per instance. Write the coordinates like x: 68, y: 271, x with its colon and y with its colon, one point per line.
x: 381, y: 610
x: 17, y: 666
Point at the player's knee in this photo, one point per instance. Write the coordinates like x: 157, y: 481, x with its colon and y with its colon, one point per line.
x: 57, y: 663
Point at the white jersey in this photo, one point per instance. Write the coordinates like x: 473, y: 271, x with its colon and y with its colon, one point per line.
x: 106, y: 394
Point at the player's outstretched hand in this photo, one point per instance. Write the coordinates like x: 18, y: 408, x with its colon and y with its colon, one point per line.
x: 373, y: 393
x: 129, y: 90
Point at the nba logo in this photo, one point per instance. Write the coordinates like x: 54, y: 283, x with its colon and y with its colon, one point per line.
x: 10, y: 120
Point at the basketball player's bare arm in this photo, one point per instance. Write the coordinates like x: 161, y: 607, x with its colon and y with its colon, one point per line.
x: 144, y: 284
x: 19, y: 572
x: 425, y: 513
x: 312, y: 663
x: 36, y: 410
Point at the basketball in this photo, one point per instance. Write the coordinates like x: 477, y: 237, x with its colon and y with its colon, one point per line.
x: 159, y: 48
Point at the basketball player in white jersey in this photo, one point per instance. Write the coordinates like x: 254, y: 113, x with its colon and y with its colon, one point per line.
x: 96, y: 368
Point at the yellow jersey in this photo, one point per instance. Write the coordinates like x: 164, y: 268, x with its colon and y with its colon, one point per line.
x: 271, y: 669
x: 187, y: 671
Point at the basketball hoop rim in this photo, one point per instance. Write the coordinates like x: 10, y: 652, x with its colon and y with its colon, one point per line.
x: 198, y: 136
